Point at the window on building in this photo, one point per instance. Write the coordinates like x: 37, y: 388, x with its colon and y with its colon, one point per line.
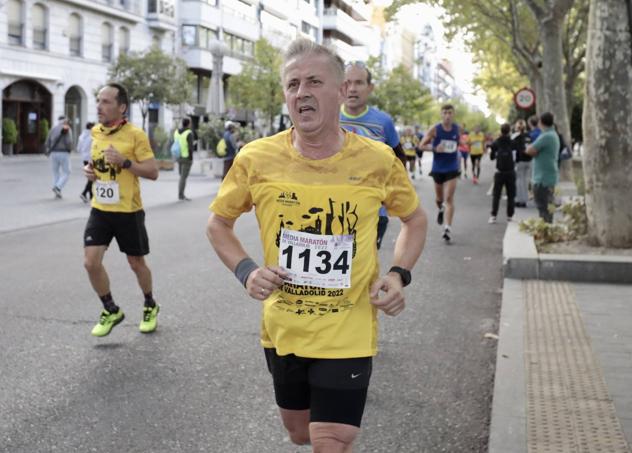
x: 198, y: 36
x: 309, y: 29
x: 106, y: 42
x: 74, y: 35
x: 123, y: 40
x: 40, y: 30
x: 16, y: 24
x: 188, y: 35
x: 239, y: 45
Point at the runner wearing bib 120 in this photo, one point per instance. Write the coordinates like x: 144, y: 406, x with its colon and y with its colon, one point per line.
x: 120, y: 155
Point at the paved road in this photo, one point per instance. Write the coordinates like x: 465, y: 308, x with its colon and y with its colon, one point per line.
x: 199, y: 383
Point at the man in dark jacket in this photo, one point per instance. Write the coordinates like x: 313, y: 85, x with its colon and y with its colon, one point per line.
x: 503, y: 151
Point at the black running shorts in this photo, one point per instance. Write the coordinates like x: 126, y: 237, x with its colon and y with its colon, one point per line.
x: 127, y: 227
x: 334, y: 390
x: 440, y: 178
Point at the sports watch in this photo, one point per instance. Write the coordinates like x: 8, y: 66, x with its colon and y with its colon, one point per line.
x: 126, y: 163
x: 403, y: 273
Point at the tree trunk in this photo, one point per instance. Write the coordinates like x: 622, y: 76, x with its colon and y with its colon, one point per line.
x: 607, y: 123
x: 554, y: 99
x: 537, y: 85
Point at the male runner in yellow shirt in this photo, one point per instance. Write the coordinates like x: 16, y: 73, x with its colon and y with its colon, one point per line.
x: 316, y: 190
x: 120, y: 155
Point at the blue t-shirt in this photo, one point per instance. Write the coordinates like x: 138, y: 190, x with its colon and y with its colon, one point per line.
x: 374, y: 124
x: 447, y: 161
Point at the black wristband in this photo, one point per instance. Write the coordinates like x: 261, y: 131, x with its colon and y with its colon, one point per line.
x: 126, y: 163
x: 244, y: 268
x: 403, y: 273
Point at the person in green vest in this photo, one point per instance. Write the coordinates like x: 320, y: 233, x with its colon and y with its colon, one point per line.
x: 185, y: 137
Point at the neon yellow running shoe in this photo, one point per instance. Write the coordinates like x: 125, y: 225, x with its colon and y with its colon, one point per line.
x: 150, y: 319
x: 107, y: 322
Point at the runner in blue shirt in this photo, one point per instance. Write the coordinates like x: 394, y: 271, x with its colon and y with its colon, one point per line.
x: 356, y: 116
x: 444, y: 138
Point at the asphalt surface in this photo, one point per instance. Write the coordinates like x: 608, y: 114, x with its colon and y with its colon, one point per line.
x: 199, y: 384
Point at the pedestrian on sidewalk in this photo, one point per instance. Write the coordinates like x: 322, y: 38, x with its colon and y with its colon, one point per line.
x: 185, y: 137
x: 84, y: 147
x: 58, y: 146
x: 356, y: 115
x: 503, y: 150
x: 545, y: 152
x: 120, y: 155
x: 316, y: 190
x: 446, y: 166
x: 523, y: 163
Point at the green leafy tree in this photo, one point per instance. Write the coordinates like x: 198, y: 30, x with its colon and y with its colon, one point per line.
x: 152, y: 76
x: 545, y: 40
x: 401, y: 95
x: 258, y: 86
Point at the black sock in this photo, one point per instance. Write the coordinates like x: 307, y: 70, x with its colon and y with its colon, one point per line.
x: 108, y: 303
x: 439, y: 204
x: 149, y: 300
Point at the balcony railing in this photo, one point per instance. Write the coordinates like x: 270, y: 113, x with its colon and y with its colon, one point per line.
x: 162, y: 7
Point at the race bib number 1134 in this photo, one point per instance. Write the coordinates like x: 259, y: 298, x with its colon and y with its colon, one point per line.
x: 323, y: 261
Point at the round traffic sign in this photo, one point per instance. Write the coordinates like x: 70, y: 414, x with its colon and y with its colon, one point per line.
x: 524, y: 98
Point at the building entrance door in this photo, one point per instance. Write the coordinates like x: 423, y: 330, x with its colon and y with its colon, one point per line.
x: 28, y: 103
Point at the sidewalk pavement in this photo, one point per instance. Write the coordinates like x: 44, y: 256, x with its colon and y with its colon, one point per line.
x: 564, y: 362
x: 26, y: 182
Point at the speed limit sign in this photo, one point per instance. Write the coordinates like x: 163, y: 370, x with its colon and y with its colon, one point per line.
x: 524, y: 98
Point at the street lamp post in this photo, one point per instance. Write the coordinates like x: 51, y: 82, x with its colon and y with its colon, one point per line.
x: 215, y: 103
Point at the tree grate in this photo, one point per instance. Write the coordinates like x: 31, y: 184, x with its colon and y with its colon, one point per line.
x: 568, y: 406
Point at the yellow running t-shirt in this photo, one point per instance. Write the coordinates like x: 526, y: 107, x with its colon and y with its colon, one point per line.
x: 477, y: 143
x: 409, y: 144
x: 339, y: 195
x: 133, y: 144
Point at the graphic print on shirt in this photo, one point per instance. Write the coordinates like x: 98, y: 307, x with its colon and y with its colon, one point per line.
x: 101, y: 166
x: 337, y: 219
x: 374, y: 131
